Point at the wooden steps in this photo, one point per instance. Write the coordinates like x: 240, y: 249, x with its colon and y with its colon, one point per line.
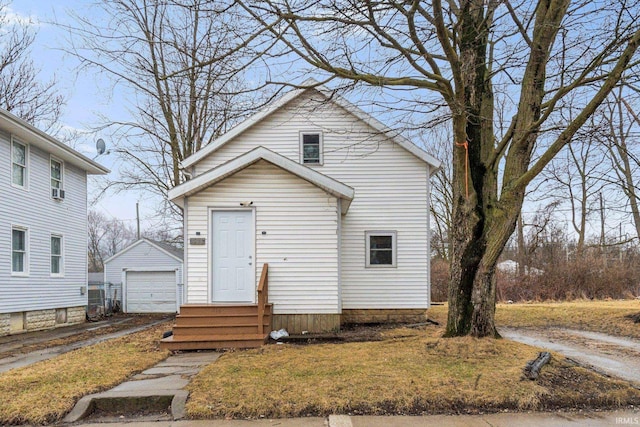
x: 215, y: 326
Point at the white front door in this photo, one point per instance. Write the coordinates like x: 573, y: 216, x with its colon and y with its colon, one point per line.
x: 233, y: 260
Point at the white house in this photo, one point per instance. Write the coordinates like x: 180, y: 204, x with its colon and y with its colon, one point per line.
x: 146, y: 277
x: 43, y: 228
x: 333, y: 201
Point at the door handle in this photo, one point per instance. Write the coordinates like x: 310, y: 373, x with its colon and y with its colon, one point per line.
x: 250, y: 263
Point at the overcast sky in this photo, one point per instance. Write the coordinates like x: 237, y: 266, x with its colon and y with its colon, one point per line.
x: 88, y: 95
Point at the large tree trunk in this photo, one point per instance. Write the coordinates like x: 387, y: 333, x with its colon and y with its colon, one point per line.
x: 482, y: 221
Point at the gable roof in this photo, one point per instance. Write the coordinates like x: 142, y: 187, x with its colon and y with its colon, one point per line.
x: 172, y: 251
x: 329, y: 185
x: 312, y: 84
x: 29, y: 134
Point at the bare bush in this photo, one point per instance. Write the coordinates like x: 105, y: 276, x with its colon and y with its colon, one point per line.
x: 581, y: 278
x: 439, y: 279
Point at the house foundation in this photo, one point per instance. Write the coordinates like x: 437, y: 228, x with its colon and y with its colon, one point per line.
x: 364, y: 316
x: 299, y: 323
x: 27, y: 321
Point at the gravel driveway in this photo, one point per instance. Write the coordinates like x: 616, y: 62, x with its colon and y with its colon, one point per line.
x: 607, y: 354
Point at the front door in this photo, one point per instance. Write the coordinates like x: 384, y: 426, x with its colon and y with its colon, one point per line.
x: 233, y: 273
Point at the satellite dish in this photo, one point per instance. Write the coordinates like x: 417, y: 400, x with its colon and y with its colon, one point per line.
x: 101, y: 146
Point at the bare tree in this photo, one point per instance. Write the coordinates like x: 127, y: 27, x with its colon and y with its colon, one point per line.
x: 578, y: 177
x: 437, y: 144
x: 473, y: 55
x: 155, y: 51
x: 21, y: 92
x: 106, y: 238
x: 622, y: 142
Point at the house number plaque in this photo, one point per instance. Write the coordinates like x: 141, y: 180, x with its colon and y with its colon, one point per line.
x: 197, y: 241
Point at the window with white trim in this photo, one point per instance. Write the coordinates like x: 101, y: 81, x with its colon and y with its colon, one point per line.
x: 381, y: 248
x: 56, y: 173
x: 19, y: 251
x: 56, y: 255
x: 311, y: 148
x: 19, y: 155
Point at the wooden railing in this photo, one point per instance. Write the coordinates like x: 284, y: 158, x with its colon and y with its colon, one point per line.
x: 263, y: 296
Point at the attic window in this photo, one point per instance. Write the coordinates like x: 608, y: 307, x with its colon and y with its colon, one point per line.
x: 311, y: 148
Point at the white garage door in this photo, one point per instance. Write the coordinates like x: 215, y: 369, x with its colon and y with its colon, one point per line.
x: 151, y: 292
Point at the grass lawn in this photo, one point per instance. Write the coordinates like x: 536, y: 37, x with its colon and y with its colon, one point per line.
x: 409, y: 372
x: 597, y: 316
x: 46, y: 391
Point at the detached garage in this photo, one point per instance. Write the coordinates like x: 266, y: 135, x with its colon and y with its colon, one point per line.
x: 146, y: 277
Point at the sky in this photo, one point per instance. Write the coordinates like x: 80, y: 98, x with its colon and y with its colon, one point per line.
x: 88, y: 96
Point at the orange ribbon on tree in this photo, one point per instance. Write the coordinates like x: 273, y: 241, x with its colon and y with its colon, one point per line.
x: 466, y: 164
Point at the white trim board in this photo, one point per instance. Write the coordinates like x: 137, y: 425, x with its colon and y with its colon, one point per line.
x: 26, y: 132
x: 329, y: 185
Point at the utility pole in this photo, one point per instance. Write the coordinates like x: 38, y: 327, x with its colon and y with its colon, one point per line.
x: 138, y: 216
x: 601, y: 222
x: 602, y: 249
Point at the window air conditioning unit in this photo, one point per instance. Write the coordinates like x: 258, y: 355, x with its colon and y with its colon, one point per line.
x: 57, y: 193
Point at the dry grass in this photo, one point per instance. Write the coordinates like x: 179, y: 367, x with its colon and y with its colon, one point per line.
x: 46, y: 391
x: 597, y: 316
x: 409, y: 372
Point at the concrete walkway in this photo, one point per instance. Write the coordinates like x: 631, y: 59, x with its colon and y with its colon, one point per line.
x: 151, y: 391
x: 591, y: 419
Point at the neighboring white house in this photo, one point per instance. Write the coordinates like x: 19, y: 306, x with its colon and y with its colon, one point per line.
x: 146, y: 277
x: 43, y: 228
x: 336, y: 203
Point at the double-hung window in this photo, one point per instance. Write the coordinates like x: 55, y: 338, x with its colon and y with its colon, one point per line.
x: 19, y: 252
x: 56, y: 174
x: 19, y: 155
x: 56, y: 255
x: 381, y: 248
x: 311, y: 148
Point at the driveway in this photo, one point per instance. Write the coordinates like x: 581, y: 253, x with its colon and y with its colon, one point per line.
x: 31, y: 347
x: 607, y: 354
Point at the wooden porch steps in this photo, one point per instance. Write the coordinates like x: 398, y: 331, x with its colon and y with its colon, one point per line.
x: 212, y: 342
x: 215, y: 326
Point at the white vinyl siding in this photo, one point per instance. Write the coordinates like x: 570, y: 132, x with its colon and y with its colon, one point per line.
x: 391, y: 193
x: 57, y: 256
x: 35, y: 210
x: 140, y: 254
x: 19, y: 162
x: 296, y: 234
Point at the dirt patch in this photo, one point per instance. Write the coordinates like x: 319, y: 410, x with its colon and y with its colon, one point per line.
x: 574, y: 388
x: 353, y: 333
x: 635, y: 317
